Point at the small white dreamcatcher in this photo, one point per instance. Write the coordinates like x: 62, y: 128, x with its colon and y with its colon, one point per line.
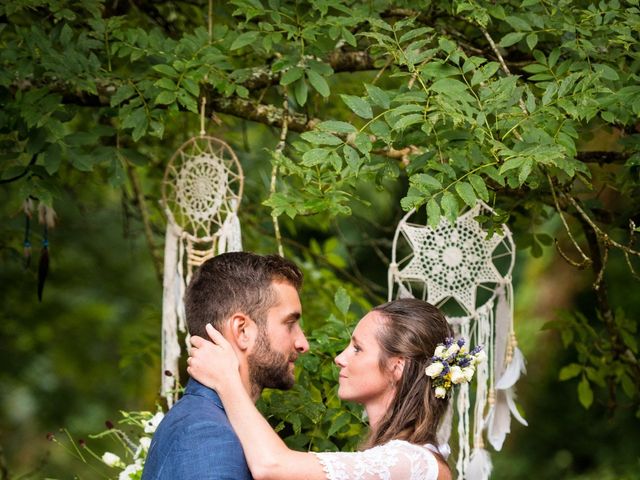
x: 457, y: 268
x: 201, y: 192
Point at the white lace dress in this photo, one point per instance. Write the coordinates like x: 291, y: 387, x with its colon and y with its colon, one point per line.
x: 396, y: 460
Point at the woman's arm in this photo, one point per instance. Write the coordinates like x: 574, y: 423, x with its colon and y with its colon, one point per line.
x: 216, y: 366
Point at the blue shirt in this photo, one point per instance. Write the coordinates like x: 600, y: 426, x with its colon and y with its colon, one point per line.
x: 195, y: 441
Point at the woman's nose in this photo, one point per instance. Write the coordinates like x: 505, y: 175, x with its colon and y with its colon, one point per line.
x: 340, y: 360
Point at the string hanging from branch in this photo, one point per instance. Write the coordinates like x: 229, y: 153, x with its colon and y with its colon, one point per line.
x: 457, y: 268
x: 201, y: 192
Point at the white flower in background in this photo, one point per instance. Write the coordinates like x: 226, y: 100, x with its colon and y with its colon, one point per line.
x: 131, y: 470
x: 143, y: 448
x: 145, y: 443
x: 434, y: 369
x: 456, y: 375
x: 440, y: 349
x: 152, y: 424
x: 441, y: 392
x: 112, y: 460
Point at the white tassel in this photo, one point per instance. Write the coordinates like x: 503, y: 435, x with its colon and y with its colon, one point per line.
x: 479, y: 466
x: 170, y: 344
x: 230, y: 239
x: 514, y: 370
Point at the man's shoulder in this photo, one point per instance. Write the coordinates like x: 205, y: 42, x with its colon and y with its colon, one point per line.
x: 195, y: 437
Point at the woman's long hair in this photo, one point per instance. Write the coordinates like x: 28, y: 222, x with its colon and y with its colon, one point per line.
x: 411, y: 330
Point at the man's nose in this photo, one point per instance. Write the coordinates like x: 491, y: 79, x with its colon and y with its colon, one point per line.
x: 301, y: 344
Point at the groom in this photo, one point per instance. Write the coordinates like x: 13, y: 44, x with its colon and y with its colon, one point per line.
x: 253, y: 300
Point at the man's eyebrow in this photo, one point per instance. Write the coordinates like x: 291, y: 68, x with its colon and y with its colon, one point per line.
x: 293, y: 316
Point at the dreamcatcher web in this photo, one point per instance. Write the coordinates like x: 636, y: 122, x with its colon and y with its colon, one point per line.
x: 201, y: 193
x: 467, y: 274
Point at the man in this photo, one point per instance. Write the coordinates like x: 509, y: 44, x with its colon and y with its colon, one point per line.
x: 253, y: 300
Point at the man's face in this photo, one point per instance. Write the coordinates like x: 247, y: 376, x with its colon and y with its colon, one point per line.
x: 280, y: 340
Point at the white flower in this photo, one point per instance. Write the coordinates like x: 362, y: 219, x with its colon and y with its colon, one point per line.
x: 131, y: 470
x: 143, y: 448
x: 112, y: 460
x: 441, y: 392
x: 434, y: 369
x: 468, y: 373
x: 456, y: 375
x: 152, y: 424
x: 439, y: 351
x: 452, y: 350
x: 479, y: 357
x: 145, y: 442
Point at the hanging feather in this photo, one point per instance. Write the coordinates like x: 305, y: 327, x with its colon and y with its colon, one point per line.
x: 47, y: 217
x: 514, y: 370
x: 27, y: 207
x: 479, y: 465
x: 43, y: 265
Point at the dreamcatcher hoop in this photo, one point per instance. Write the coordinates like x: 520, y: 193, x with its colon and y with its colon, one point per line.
x: 201, y: 193
x: 468, y: 276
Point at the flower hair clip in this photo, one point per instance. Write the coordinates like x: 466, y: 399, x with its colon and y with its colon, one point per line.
x: 453, y: 364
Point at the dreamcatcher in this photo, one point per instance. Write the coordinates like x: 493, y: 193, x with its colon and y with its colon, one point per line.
x: 457, y: 268
x: 201, y: 192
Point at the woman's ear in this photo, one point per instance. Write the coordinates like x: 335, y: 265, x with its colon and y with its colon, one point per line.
x: 397, y: 368
x: 242, y: 330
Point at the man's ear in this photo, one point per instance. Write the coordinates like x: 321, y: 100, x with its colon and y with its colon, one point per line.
x: 242, y: 330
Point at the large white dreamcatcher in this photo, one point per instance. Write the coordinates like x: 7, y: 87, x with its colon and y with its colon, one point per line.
x: 201, y: 193
x: 458, y: 268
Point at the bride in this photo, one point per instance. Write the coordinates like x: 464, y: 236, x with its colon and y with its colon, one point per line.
x: 400, y: 365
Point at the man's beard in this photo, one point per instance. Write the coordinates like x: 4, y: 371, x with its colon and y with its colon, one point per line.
x: 269, y: 368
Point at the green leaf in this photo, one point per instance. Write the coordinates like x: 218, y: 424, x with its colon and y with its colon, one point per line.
x: 336, y: 126
x: 321, y: 138
x: 511, y: 164
x: 165, y: 98
x: 167, y: 84
x: 342, y: 300
x: 363, y: 143
x: 378, y: 96
x: 449, y: 86
x: 479, y: 186
x: 433, y: 212
x: 125, y: 91
x: 518, y: 23
x: 244, y: 39
x: 525, y: 171
x: 570, y: 371
x: 318, y: 82
x: 314, y: 156
x: 449, y: 205
x: 166, y: 70
x: 511, y: 38
x: 408, y: 120
x: 357, y: 105
x: 532, y: 40
x: 291, y: 75
x: 429, y: 181
x: 466, y: 193
x: 301, y: 90
x: 585, y: 394
x: 606, y: 71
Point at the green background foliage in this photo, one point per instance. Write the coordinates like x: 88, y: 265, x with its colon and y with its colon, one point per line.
x: 344, y: 115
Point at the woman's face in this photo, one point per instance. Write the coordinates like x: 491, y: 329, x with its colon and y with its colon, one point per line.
x: 361, y: 379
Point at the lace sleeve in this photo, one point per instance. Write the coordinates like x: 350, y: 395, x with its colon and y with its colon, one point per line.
x: 396, y: 460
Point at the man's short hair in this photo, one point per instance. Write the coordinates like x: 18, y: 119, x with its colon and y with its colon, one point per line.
x: 236, y: 282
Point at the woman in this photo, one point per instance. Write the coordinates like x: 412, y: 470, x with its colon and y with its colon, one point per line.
x: 388, y: 368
